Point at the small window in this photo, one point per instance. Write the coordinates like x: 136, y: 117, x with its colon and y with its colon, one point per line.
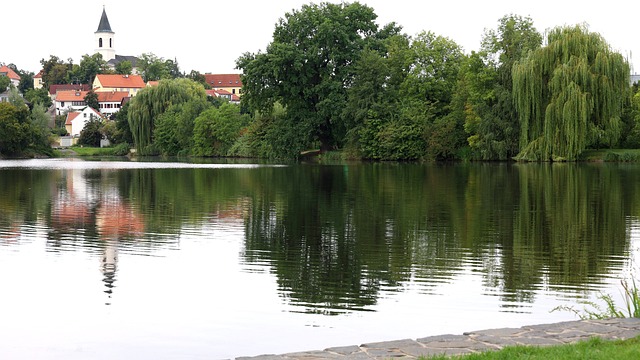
x: 233, y: 91
x: 100, y: 42
x: 85, y: 114
x: 110, y: 43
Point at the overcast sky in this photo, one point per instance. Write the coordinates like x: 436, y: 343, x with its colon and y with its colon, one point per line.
x: 208, y: 36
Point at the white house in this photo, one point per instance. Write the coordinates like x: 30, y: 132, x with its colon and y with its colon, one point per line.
x: 70, y: 100
x: 76, y: 120
x: 111, y: 102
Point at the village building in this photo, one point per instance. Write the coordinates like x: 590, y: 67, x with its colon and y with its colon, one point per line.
x: 37, y: 80
x: 224, y: 94
x: 125, y: 83
x: 12, y: 75
x: 228, y: 82
x: 111, y: 102
x: 69, y: 101
x: 105, y: 45
x: 54, y: 89
x: 76, y: 120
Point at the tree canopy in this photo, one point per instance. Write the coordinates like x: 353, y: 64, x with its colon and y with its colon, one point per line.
x: 569, y: 95
x: 308, y: 67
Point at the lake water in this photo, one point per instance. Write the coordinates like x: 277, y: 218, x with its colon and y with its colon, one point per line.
x: 170, y: 260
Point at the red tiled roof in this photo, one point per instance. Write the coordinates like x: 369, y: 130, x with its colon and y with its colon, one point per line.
x: 223, y: 80
x: 235, y: 97
x: 53, y: 89
x: 153, y: 83
x: 71, y: 95
x: 9, y: 72
x: 39, y: 75
x: 121, y: 81
x: 71, y: 116
x: 111, y: 96
x: 223, y: 92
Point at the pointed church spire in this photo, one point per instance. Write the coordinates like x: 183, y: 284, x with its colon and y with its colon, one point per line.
x: 104, y: 22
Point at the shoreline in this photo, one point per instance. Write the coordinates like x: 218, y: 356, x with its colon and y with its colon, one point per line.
x: 474, y: 341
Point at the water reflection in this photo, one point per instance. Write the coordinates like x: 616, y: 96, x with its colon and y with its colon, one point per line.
x: 340, y: 238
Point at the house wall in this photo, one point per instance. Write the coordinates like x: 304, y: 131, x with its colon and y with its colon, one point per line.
x: 109, y: 108
x: 62, y: 106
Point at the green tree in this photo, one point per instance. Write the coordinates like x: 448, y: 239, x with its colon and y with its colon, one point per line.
x: 152, y: 67
x: 14, y: 131
x: 4, y: 83
x: 151, y: 102
x: 91, y: 134
x: 124, y: 67
x: 123, y: 133
x: 217, y: 129
x: 307, y: 68
x: 199, y: 78
x: 569, y: 95
x: 26, y: 81
x: 486, y: 85
x: 90, y: 66
x: 91, y: 99
x: 38, y: 96
x: 54, y: 71
x: 173, y: 133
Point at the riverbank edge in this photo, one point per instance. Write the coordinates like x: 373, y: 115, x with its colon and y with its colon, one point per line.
x: 561, y: 333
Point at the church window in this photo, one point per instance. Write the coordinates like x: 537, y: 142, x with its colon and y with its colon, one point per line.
x: 110, y: 43
x: 100, y: 42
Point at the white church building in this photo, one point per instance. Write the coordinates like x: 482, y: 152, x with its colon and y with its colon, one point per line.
x: 105, y: 44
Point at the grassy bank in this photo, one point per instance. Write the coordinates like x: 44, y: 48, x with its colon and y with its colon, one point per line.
x: 594, y: 349
x: 612, y: 155
x: 119, y: 150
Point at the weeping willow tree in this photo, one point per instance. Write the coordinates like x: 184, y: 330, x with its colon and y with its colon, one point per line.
x: 153, y: 102
x: 569, y: 95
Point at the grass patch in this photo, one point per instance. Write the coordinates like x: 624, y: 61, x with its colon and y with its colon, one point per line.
x: 118, y: 150
x: 593, y: 349
x: 611, y: 155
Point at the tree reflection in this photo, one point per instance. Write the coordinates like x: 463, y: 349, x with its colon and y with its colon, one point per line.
x: 336, y: 237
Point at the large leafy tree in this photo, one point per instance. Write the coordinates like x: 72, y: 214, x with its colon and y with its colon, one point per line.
x: 491, y: 119
x: 569, y: 95
x: 54, y: 71
x: 152, y: 102
x: 91, y: 99
x: 308, y: 67
x: 153, y: 67
x: 86, y: 71
x: 124, y: 67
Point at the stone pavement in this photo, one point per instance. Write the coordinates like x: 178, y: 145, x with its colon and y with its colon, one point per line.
x: 474, y: 341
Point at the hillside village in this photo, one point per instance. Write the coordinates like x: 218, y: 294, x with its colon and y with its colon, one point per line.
x: 113, y: 90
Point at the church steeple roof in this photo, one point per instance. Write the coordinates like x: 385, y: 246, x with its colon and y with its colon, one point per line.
x: 104, y: 22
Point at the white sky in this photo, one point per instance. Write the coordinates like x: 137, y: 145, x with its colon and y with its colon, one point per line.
x: 208, y: 36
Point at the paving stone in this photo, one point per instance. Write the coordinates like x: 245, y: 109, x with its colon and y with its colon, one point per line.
x: 345, y: 350
x: 537, y: 341
x: 498, y: 342
x: 443, y: 338
x: 380, y: 353
x: 504, y: 332
x: 313, y: 355
x: 391, y: 344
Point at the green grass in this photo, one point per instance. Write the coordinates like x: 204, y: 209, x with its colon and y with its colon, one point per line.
x: 613, y: 155
x: 118, y: 150
x: 594, y: 349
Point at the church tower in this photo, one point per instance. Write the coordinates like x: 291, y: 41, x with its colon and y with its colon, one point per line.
x: 104, y: 38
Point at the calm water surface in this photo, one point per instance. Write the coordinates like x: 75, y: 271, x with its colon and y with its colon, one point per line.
x: 148, y: 260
